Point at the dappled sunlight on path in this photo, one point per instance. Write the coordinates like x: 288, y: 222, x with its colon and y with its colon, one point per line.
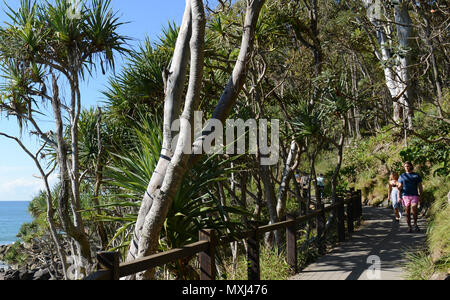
x: 380, y: 241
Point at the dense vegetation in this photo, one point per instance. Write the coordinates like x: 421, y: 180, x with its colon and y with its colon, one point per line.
x: 320, y: 67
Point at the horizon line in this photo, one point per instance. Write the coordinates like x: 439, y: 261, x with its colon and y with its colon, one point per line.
x: 16, y: 200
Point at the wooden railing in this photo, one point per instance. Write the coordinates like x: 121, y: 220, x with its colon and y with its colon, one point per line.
x: 348, y: 210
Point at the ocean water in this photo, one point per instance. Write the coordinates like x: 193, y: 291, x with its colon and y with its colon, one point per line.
x: 12, y: 215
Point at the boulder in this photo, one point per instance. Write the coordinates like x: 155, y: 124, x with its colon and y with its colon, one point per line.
x: 25, y: 274
x: 4, y: 249
x: 42, y: 274
x: 439, y: 276
x: 436, y: 255
x: 35, y: 248
x: 12, y: 275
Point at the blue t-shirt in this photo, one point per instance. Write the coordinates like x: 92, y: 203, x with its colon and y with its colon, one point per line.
x: 320, y: 181
x: 410, y: 182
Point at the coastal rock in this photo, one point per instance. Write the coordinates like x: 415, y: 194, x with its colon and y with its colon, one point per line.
x: 42, y: 274
x: 12, y: 275
x: 25, y: 274
x: 439, y: 276
x: 436, y: 255
x: 3, y: 250
x: 37, y: 262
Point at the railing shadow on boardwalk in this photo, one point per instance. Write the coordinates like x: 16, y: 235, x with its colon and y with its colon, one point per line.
x: 346, y: 210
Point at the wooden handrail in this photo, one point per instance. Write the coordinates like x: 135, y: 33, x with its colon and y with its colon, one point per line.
x: 354, y: 211
x: 155, y: 260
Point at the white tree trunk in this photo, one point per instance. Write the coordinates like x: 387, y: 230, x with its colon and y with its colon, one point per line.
x: 177, y: 166
x: 403, y: 24
x: 175, y: 85
x: 163, y: 197
x: 395, y: 67
x: 285, y: 179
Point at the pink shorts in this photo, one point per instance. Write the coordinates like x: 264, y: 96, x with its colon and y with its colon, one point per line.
x: 410, y: 200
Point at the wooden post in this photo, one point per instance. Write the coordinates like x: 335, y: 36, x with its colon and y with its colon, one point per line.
x: 354, y: 207
x: 208, y: 259
x: 320, y: 227
x: 303, y: 207
x: 291, y: 245
x: 109, y: 261
x: 320, y: 220
x: 340, y: 219
x: 253, y: 255
x: 359, y: 196
x: 350, y: 219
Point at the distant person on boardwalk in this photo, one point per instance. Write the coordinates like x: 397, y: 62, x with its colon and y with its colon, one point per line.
x: 411, y: 192
x: 298, y: 176
x: 321, y: 184
x: 394, y: 195
x: 305, y: 184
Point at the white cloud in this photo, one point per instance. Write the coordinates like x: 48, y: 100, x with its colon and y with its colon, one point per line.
x: 19, y: 188
x: 18, y: 183
x: 22, y: 188
x: 12, y: 169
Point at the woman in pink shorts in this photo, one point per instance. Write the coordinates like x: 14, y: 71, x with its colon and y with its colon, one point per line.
x: 411, y: 193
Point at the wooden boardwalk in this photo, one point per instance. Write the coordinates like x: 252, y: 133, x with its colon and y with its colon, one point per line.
x: 379, y: 241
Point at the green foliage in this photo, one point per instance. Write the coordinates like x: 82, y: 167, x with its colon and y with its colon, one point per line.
x: 131, y: 170
x: 439, y: 230
x: 42, y: 40
x: 14, y: 255
x: 430, y: 145
x: 140, y: 84
x: 195, y: 206
x: 36, y: 28
x: 435, y: 153
x: 28, y: 231
x: 435, y: 257
x: 419, y: 266
x: 273, y: 266
x: 309, y: 122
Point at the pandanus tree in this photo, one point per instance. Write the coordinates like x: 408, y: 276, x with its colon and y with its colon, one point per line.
x: 44, y: 46
x: 394, y: 53
x: 173, y: 162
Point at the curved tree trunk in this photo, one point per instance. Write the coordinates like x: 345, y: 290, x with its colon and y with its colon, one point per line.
x: 180, y: 162
x: 175, y: 84
x: 74, y: 231
x: 98, y: 180
x: 177, y: 167
x: 290, y: 165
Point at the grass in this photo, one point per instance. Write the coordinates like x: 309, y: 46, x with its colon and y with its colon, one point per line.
x: 272, y: 266
x: 419, y: 266
x: 435, y: 259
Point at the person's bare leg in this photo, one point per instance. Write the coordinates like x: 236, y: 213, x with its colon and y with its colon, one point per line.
x: 408, y: 216
x: 397, y: 215
x: 414, y: 213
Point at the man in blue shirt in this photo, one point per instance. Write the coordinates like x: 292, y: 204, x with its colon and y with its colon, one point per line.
x: 411, y: 193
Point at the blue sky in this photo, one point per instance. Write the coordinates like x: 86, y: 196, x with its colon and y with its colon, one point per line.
x: 17, y: 170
